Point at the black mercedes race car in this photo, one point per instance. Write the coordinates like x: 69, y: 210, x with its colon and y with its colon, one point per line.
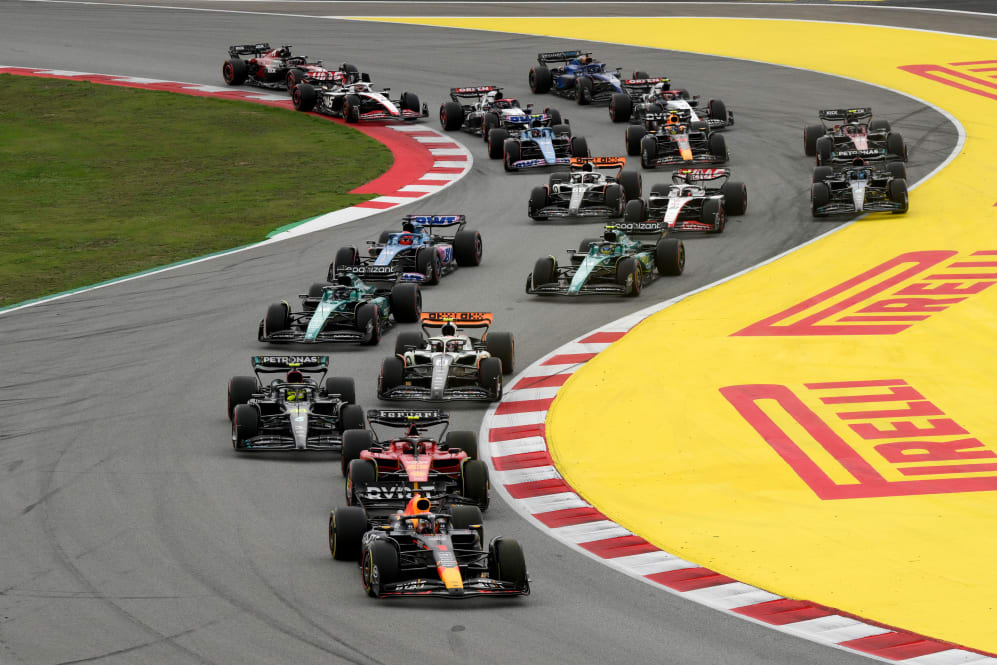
x: 847, y: 134
x: 861, y: 187
x: 295, y: 412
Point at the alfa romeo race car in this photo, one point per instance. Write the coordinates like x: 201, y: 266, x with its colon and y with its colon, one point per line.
x: 447, y: 363
x: 535, y: 147
x: 861, y: 187
x: 422, y: 553
x: 579, y: 77
x: 417, y: 253
x: 273, y: 68
x: 616, y: 264
x: 347, y: 311
x: 357, y: 101
x: 491, y: 110
x: 296, y: 412
x: 656, y: 96
x: 697, y: 200
x: 665, y: 140
x: 847, y: 134
x: 586, y: 191
x: 384, y: 473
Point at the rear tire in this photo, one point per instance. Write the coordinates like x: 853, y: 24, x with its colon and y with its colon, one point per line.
x: 735, y: 198
x: 467, y: 248
x: 293, y: 78
x: 347, y: 525
x: 408, y: 340
x: 451, y: 116
x: 502, y: 345
x: 615, y: 200
x: 235, y: 71
x: 635, y: 212
x: 633, y: 185
x: 355, y: 441
x: 240, y: 390
x: 579, y: 146
x: 466, y: 441
x: 303, y: 97
x: 540, y: 80
x: 344, y: 386
x: 406, y: 303
x: 669, y: 257
x: 714, y: 213
x: 879, y: 126
x: 810, y: 135
x: 620, y: 107
x: 474, y: 482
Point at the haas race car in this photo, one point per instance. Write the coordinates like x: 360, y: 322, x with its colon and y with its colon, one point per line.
x: 294, y: 411
x: 697, y: 200
x: 645, y: 96
x: 444, y: 362
x: 356, y: 101
x: 491, y: 110
x: 848, y: 134
x: 578, y: 77
x: 667, y: 139
x: 861, y: 187
x: 417, y: 253
x: 273, y: 68
x: 586, y: 190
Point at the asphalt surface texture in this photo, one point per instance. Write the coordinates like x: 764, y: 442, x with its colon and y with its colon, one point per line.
x: 132, y: 533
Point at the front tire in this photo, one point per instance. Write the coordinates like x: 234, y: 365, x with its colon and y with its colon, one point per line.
x: 427, y: 262
x: 583, y: 90
x: 369, y: 322
x: 240, y: 390
x: 544, y: 271
x: 379, y: 566
x: 347, y: 525
x: 474, y: 482
x: 538, y: 201
x: 392, y: 374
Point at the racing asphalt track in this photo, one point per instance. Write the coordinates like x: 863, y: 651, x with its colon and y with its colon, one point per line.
x: 132, y: 533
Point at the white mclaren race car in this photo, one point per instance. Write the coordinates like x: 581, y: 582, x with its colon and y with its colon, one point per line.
x: 445, y: 363
x: 586, y: 190
x: 357, y: 101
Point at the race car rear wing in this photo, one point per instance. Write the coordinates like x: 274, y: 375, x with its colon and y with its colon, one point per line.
x: 599, y: 162
x: 860, y: 113
x: 684, y: 115
x: 560, y: 56
x: 280, y: 364
x: 643, y: 85
x: 699, y: 175
x: 473, y: 91
x: 460, y: 319
x: 250, y: 49
x: 407, y: 417
x: 436, y: 220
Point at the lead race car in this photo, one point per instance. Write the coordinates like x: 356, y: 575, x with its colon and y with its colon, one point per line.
x: 273, y: 68
x: 586, y: 191
x: 416, y: 552
x: 296, y: 412
x: 616, y: 264
x: 357, y: 100
x: 847, y: 134
x: 490, y: 111
x: 579, y: 77
x: 444, y: 362
x: 697, y: 200
x: 667, y: 139
x: 861, y: 187
x: 417, y: 253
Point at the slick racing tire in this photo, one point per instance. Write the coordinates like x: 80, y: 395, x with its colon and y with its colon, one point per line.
x: 635, y: 212
x: 620, y: 107
x: 879, y: 126
x: 714, y: 213
x: 240, y: 390
x: 369, y: 319
x: 392, y: 374
x: 544, y: 271
x: 245, y: 425
x: 641, y: 74
x: 428, y: 262
x: 506, y: 562
x: 502, y: 345
x: 586, y: 243
x: 293, y: 78
x: 540, y: 80
x: 648, y: 152
x: 669, y: 257
x: 718, y: 147
x: 820, y: 195
x: 496, y: 143
x: 346, y: 257
x: 633, y: 185
x: 351, y: 416
x: 464, y: 517
x: 235, y: 71
x: 579, y: 147
x: 615, y: 200
x: 278, y: 318
x: 583, y: 90
x: 895, y: 145
x: 824, y: 147
x: 355, y: 441
x: 379, y: 566
x: 555, y: 117
x: 351, y: 108
x: 822, y: 173
x: 352, y: 72
x: 361, y: 471
x: 810, y: 135
x: 512, y: 152
x: 633, y: 136
x: 383, y: 238
x: 304, y: 96
x: 897, y: 190
x: 897, y: 170
x: 735, y: 197
x: 451, y: 116
x: 347, y: 525
x: 317, y: 289
x: 628, y: 273
x: 489, y: 121
x: 406, y: 303
x: 467, y: 248
x: 490, y: 374
x: 474, y: 482
x: 538, y: 201
x: 345, y: 387
x: 717, y: 110
x: 408, y: 340
x: 463, y: 440
x: 660, y: 189
x: 561, y: 130
x: 557, y: 177
x: 410, y: 102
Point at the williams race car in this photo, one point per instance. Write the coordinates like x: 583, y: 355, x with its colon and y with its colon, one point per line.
x: 417, y: 253
x: 357, y: 101
x: 274, y: 68
x: 860, y: 187
x: 296, y: 412
x: 585, y: 191
x: 697, y: 200
x: 656, y: 96
x: 447, y: 363
x: 615, y: 264
x: 347, y: 311
x: 491, y: 110
x: 382, y: 474
x: 665, y: 140
x: 422, y: 553
x: 578, y: 77
x: 847, y: 134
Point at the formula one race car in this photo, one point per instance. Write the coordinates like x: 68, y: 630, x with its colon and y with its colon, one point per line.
x: 665, y: 140
x: 296, y: 412
x: 579, y: 78
x: 357, y: 101
x: 586, y: 192
x: 656, y: 96
x: 347, y: 311
x: 539, y: 146
x: 273, y: 68
x: 615, y: 264
x: 860, y: 187
x: 695, y: 201
x: 417, y: 253
x: 448, y: 364
x: 491, y: 110
x: 384, y: 473
x: 847, y: 134
x: 422, y: 553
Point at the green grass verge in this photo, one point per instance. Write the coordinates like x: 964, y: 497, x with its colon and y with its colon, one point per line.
x: 100, y: 181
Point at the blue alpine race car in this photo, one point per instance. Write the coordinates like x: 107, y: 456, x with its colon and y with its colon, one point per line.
x: 579, y: 77
x: 418, y: 253
x: 537, y: 146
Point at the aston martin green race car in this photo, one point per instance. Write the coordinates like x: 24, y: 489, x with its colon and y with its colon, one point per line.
x: 616, y: 264
x: 347, y: 311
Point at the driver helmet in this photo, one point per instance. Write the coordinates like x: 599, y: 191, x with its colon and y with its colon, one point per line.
x: 295, y: 376
x: 283, y: 52
x: 424, y: 526
x: 448, y: 329
x: 673, y: 119
x: 588, y: 167
x: 585, y: 60
x: 341, y: 293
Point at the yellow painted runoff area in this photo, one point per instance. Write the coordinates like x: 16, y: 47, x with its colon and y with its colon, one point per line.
x: 841, y: 446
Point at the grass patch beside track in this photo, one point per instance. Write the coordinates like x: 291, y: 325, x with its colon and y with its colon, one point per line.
x: 100, y: 181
